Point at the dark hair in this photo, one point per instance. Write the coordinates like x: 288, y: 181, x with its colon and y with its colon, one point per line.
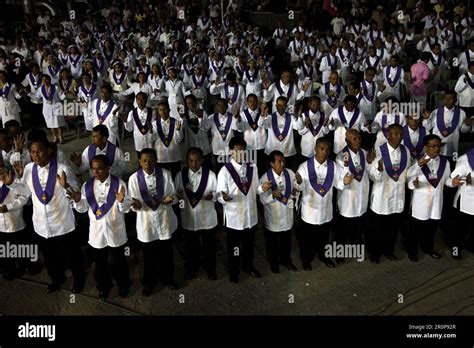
x: 107, y: 87
x: 237, y: 141
x: 102, y: 130
x: 38, y: 136
x: 222, y: 100
x: 370, y: 68
x: 103, y: 158
x: 143, y: 94
x: 322, y: 140
x: 163, y: 102
x: 430, y: 137
x: 273, y: 154
x: 12, y: 124
x: 148, y: 151
x: 350, y: 98
x: 193, y: 150
x: 425, y: 56
x: 192, y: 97
x: 231, y: 76
x: 314, y: 97
x: 252, y: 95
x: 471, y: 64
x: 451, y: 92
x: 282, y: 98
x: 393, y: 126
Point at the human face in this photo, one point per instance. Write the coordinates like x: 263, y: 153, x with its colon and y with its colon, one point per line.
x: 285, y: 77
x: 333, y: 79
x: 221, y: 107
x: 413, y: 122
x: 314, y: 105
x: 281, y: 106
x: 105, y: 94
x: 238, y: 153
x: 252, y: 103
x: 369, y: 75
x: 147, y: 162
x: 141, y: 102
x: 353, y: 140
x: 278, y: 165
x: 433, y: 148
x: 190, y: 103
x: 99, y: 170
x: 40, y: 154
x: 350, y: 106
x: 394, y: 137
x: 163, y: 111
x: 322, y: 151
x: 194, y: 161
x: 449, y: 101
x: 98, y: 139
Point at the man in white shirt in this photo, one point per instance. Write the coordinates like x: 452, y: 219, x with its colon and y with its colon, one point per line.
x: 283, y: 88
x: 427, y: 178
x: 104, y: 111
x: 463, y: 202
x: 53, y: 218
x: 315, y: 179
x: 315, y: 127
x: 231, y: 90
x: 105, y: 199
x: 465, y: 90
x: 237, y: 184
x: 152, y: 191
x: 389, y: 172
x: 277, y: 192
x: 196, y: 186
x: 140, y: 121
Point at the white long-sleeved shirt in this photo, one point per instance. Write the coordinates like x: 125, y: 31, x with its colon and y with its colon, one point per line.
x: 317, y: 209
x: 157, y: 224
x: 427, y: 200
x: 109, y: 230
x: 255, y: 138
x: 221, y: 88
x: 136, y: 88
x: 197, y: 137
x: 381, y: 123
x: 172, y: 152
x: 15, y: 200
x: 278, y: 215
x: 9, y: 108
x: 465, y: 193
x: 241, y: 211
x: 308, y: 140
x: 290, y: 91
x: 118, y: 167
x: 203, y: 216
x: 287, y: 143
x: 340, y: 126
x: 111, y: 121
x: 465, y: 91
x: 219, y: 144
x: 141, y: 140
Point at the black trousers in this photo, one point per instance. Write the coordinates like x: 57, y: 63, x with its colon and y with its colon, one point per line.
x: 59, y: 253
x: 262, y: 164
x: 383, y: 234
x: 278, y: 246
x: 158, y: 261
x: 117, y: 269
x: 173, y: 167
x: 349, y: 230
x: 219, y: 161
x: 195, y: 242
x: 312, y: 240
x: 464, y: 231
x: 9, y: 264
x: 290, y: 162
x: 37, y: 118
x: 420, y: 235
x: 207, y: 161
x: 236, y: 238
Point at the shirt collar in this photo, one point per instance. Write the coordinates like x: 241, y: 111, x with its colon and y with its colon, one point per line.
x: 198, y: 172
x: 391, y: 149
x: 317, y: 164
x: 106, y: 182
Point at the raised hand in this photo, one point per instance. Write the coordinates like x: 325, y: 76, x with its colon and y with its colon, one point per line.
x: 168, y: 199
x: 62, y: 180
x: 76, y: 159
x: 73, y: 194
x: 348, y: 179
x: 371, y: 156
x: 307, y: 122
x: 208, y: 196
x: 380, y: 165
x: 457, y: 181
x: 422, y: 161
x: 120, y: 195
x: 275, y: 193
x: 226, y: 197
x: 19, y: 142
x: 267, y: 185
x: 298, y: 178
x: 18, y: 168
x: 7, y: 177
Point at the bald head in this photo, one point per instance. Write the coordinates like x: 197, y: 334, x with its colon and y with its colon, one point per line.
x: 353, y: 139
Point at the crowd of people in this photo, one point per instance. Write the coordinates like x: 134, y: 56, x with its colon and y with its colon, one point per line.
x: 351, y: 132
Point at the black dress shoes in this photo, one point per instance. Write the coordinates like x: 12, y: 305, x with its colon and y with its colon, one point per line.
x: 435, y: 255
x: 413, y: 258
x: 307, y: 267
x: 252, y: 272
x: 391, y: 257
x: 291, y: 267
x: 53, y: 287
x: 329, y: 263
x: 172, y: 285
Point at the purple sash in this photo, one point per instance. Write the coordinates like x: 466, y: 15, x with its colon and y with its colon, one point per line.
x: 143, y: 128
x: 243, y: 187
x: 44, y: 196
x: 63, y: 58
x: 343, y: 57
x: 5, y: 91
x: 439, y: 174
x: 435, y: 61
x: 146, y: 71
x: 216, y: 69
x: 313, y: 178
x: 110, y: 153
x: 468, y: 58
x: 307, y: 73
x: 234, y: 96
x: 371, y: 36
x: 253, y: 124
x: 330, y: 63
x: 68, y: 85
x: 152, y: 201
x: 416, y: 151
x: 400, y: 39
x: 107, y: 111
x: 469, y: 81
x: 48, y: 96
x: 275, y: 128
x: 99, y: 64
x: 252, y: 77
x: 377, y: 61
x: 35, y: 82
x: 283, y: 198
x: 74, y: 61
x: 393, y: 82
x: 385, y: 123
x: 117, y: 80
x: 280, y: 90
x: 327, y: 88
x: 166, y: 140
x: 394, y: 174
x: 53, y: 72
x: 366, y: 92
x: 342, y: 116
x: 239, y: 71
x: 228, y: 123
x: 101, y: 211
x: 470, y: 158
x: 186, y: 70
x: 3, y: 193
x: 195, y: 197
x: 197, y: 83
x: 316, y: 130
x: 359, y: 171
x: 440, y: 120
x: 89, y: 93
x: 108, y: 56
x: 356, y: 31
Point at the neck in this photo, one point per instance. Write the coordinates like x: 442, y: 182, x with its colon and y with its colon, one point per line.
x: 149, y: 171
x: 101, y: 146
x: 278, y: 172
x: 320, y: 160
x: 353, y: 149
x: 43, y: 164
x: 103, y: 179
x: 394, y: 145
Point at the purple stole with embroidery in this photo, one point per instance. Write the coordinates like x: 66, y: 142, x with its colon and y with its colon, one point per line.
x: 377, y: 61
x: 416, y: 150
x: 323, y: 188
x: 45, y: 196
x: 470, y: 158
x: 65, y: 89
x: 365, y: 92
x: 3, y: 193
x: 371, y: 36
x: 282, y: 197
x: 101, y: 211
x: 307, y: 73
x: 252, y: 77
x: 98, y: 64
x: 234, y: 96
x: 74, y: 61
x: 34, y: 82
x: 48, y: 96
x: 195, y: 197
x: 342, y: 116
x: 117, y: 80
x: 469, y: 81
x: 330, y: 63
x: 228, y: 123
x: 327, y: 88
x: 53, y: 72
x: 5, y: 91
x: 253, y: 124
x: 358, y: 172
x: 166, y: 140
x: 385, y: 123
x: 343, y: 57
x: 152, y: 201
x: 197, y: 83
x: 280, y: 90
x: 393, y: 172
x: 239, y: 71
x: 110, y: 153
x: 281, y: 136
x: 243, y: 187
x: 435, y: 61
x: 440, y: 120
x: 316, y: 130
x: 186, y: 70
x: 143, y: 128
x: 89, y: 93
x: 439, y: 174
x: 107, y: 111
x: 393, y: 82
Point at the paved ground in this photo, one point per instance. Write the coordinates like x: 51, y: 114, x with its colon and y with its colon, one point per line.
x: 429, y: 287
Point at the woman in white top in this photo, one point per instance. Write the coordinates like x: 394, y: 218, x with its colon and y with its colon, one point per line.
x: 9, y: 108
x: 141, y: 86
